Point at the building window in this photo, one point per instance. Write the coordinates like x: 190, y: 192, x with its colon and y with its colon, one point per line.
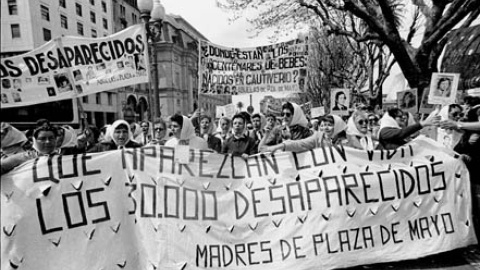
x: 98, y: 98
x: 62, y: 3
x: 134, y: 18
x: 110, y: 99
x: 78, y: 8
x: 15, y: 30
x: 92, y: 2
x: 80, y: 28
x: 94, y: 33
x: 64, y: 21
x: 45, y: 13
x: 12, y: 7
x: 104, y: 6
x: 85, y: 99
x: 93, y: 19
x: 122, y: 11
x: 47, y: 34
x: 124, y: 24
x: 105, y: 23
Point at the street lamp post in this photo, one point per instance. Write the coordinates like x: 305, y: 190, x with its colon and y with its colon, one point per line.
x: 152, y: 14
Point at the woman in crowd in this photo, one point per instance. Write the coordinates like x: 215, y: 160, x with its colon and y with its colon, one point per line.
x: 449, y: 137
x: 340, y: 99
x: 206, y: 133
x: 295, y: 123
x: 45, y: 140
x: 160, y: 132
x: 272, y: 133
x: 118, y: 135
x: 332, y: 130
x: 145, y: 136
x: 67, y: 141
x: 357, y: 131
x: 239, y: 144
x: 184, y: 133
x: 16, y: 148
x: 394, y: 131
x: 224, y: 130
x: 88, y: 139
x: 373, y: 126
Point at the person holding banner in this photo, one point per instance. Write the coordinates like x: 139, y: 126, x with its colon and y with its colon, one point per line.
x: 357, y: 131
x: 272, y: 132
x: 16, y: 149
x: 240, y: 144
x: 206, y: 133
x: 224, y: 129
x: 394, y: 131
x: 67, y: 141
x: 118, y: 136
x: 449, y: 137
x: 295, y: 123
x: 331, y: 129
x: 184, y: 133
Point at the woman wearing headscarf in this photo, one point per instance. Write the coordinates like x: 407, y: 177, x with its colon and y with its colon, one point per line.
x: 331, y: 129
x: 161, y: 134
x: 357, y: 131
x: 16, y: 148
x: 68, y: 145
x: 206, y: 128
x: 118, y: 135
x: 449, y: 137
x: 224, y: 130
x: 295, y: 123
x: 394, y: 131
x: 184, y: 133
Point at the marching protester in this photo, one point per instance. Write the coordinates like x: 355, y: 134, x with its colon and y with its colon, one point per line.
x: 16, y: 148
x: 118, y: 135
x: 224, y: 130
x: 184, y: 133
x: 160, y: 132
x: 145, y: 136
x: 358, y: 136
x: 129, y: 117
x: 239, y: 144
x: 394, y: 131
x: 206, y: 132
x: 272, y: 132
x: 88, y: 138
x: 295, y: 123
x: 67, y: 140
x: 373, y: 126
x: 332, y: 132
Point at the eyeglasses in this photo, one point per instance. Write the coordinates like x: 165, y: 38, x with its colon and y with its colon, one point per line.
x: 372, y: 120
x: 362, y: 122
x: 457, y: 114
x: 286, y: 114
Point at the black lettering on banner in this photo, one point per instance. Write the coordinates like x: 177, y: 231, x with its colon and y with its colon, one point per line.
x: 283, y: 246
x: 238, y: 195
x: 370, y: 155
x: 363, y: 176
x: 133, y: 187
x: 187, y: 200
x: 344, y: 240
x: 441, y: 174
x: 368, y: 237
x: 324, y: 158
x: 448, y: 224
x: 202, y: 253
x: 424, y: 226
x: 329, y: 190
x: 146, y: 151
x: 299, y: 167
x: 41, y: 220
x: 292, y: 196
x: 255, y: 202
x: 60, y: 168
x: 349, y: 186
x: 251, y: 252
x: 167, y: 200
x: 66, y: 209
x: 99, y: 204
x: 309, y: 190
x: 239, y: 249
x: 272, y: 163
x: 340, y: 150
x: 256, y: 164
x: 316, y: 239
x: 215, y: 254
x: 280, y: 198
x: 134, y: 153
x: 268, y: 249
x: 87, y: 54
x: 382, y: 189
x: 224, y: 251
x: 219, y: 174
x: 86, y: 172
x: 204, y: 205
x: 164, y: 156
x: 408, y: 191
x: 425, y: 177
x: 233, y: 167
x: 297, y: 248
x: 35, y: 172
x: 201, y: 162
x: 143, y: 200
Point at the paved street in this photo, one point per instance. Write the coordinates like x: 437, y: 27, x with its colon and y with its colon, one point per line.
x: 464, y: 259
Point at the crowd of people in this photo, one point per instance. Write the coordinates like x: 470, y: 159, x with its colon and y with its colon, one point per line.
x: 456, y: 126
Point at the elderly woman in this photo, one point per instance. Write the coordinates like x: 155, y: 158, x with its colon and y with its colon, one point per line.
x: 357, y: 131
x: 67, y: 141
x: 331, y: 129
x: 118, y: 136
x: 224, y: 130
x: 295, y: 123
x: 160, y: 133
x: 184, y: 133
x: 206, y: 132
x: 394, y: 131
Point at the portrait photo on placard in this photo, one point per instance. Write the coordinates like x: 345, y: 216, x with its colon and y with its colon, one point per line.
x: 407, y: 100
x: 63, y: 82
x: 339, y: 101
x: 425, y: 107
x: 443, y: 88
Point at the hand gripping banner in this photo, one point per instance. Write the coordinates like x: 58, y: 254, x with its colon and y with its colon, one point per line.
x: 325, y: 208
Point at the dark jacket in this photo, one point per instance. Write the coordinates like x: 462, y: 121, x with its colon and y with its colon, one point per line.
x: 391, y: 138
x: 298, y: 132
x: 214, y: 143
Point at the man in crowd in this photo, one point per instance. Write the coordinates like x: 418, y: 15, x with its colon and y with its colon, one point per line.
x: 239, y: 144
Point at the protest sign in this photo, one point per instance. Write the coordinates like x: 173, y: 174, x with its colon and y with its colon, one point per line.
x: 339, y: 101
x: 407, y: 100
x: 326, y: 208
x: 443, y: 88
x: 71, y: 66
x: 280, y: 67
x: 318, y: 111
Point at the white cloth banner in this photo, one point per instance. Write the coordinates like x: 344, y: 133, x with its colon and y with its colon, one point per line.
x: 70, y: 66
x: 321, y: 209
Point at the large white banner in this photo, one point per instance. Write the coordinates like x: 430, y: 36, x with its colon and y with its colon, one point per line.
x: 321, y: 209
x: 70, y: 66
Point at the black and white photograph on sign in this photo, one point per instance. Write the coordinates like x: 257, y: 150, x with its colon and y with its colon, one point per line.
x: 101, y: 66
x: 339, y: 100
x: 28, y: 80
x: 4, y: 98
x: 16, y: 97
x: 51, y: 91
x: 42, y: 80
x: 62, y: 82
x: 425, y: 107
x: 407, y: 100
x: 91, y: 73
x: 120, y: 64
x: 443, y: 88
x: 129, y: 62
x: 17, y: 84
x: 140, y: 62
x: 77, y: 75
x: 79, y: 89
x: 6, y: 84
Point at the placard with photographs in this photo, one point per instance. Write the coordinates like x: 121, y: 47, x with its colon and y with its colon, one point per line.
x: 339, y: 101
x: 407, y: 100
x: 443, y: 88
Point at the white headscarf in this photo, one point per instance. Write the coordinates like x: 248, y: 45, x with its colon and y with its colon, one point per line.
x: 338, y: 125
x: 111, y: 130
x: 298, y: 117
x: 365, y: 138
x: 188, y: 130
x: 70, y: 137
x: 388, y: 121
x: 13, y: 136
